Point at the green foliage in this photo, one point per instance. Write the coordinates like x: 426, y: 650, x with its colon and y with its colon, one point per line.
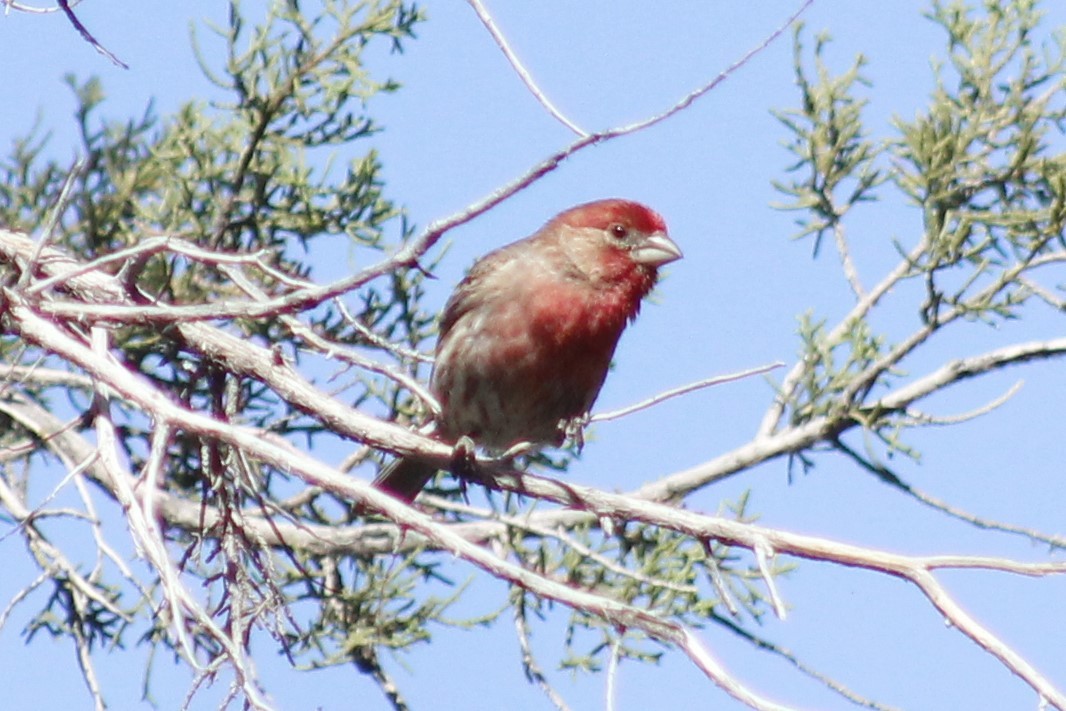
x: 236, y: 177
x: 253, y: 174
x: 373, y: 605
x: 835, y: 163
x: 651, y: 568
x: 978, y: 161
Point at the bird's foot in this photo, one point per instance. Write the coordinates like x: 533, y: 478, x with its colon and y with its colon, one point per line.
x: 464, y: 463
x: 573, y: 430
x: 464, y: 456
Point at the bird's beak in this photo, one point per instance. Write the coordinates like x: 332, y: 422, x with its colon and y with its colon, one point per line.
x: 655, y: 250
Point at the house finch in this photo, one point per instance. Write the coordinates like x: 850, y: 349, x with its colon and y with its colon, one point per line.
x: 527, y: 337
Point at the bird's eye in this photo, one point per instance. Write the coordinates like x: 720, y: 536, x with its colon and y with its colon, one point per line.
x: 618, y: 231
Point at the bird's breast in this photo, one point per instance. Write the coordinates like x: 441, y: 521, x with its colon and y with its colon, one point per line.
x: 511, y: 372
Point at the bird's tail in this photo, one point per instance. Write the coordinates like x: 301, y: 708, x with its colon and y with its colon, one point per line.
x: 405, y: 477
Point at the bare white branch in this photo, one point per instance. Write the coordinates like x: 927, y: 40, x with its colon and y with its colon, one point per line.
x: 763, y: 555
x: 920, y: 418
x: 683, y: 390
x: 501, y: 41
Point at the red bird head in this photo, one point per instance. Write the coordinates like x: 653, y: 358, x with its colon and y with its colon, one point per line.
x: 614, y: 244
x: 601, y: 214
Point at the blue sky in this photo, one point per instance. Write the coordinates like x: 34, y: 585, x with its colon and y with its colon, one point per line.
x: 463, y: 125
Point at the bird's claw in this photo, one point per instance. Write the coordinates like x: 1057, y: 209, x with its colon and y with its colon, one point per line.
x: 464, y: 456
x: 464, y: 463
x: 574, y: 430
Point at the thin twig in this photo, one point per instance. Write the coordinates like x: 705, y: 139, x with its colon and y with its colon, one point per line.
x: 710, y: 666
x: 13, y: 5
x: 772, y: 419
x: 413, y: 249
x: 718, y: 580
x: 1046, y: 295
x: 1053, y: 540
x: 529, y: 662
x: 558, y: 533
x: 833, y: 685
x: 711, y: 85
x: 85, y: 661
x: 613, y: 661
x: 54, y: 561
x: 683, y: 390
x: 334, y: 350
x: 516, y: 64
x: 87, y: 36
x: 378, y: 340
x: 916, y: 417
x: 851, y: 272
x: 763, y: 555
x: 55, y: 215
x: 48, y: 499
x: 156, y: 245
x: 25, y: 592
x: 962, y: 368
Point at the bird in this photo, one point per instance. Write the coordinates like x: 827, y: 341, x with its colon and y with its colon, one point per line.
x: 527, y: 337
